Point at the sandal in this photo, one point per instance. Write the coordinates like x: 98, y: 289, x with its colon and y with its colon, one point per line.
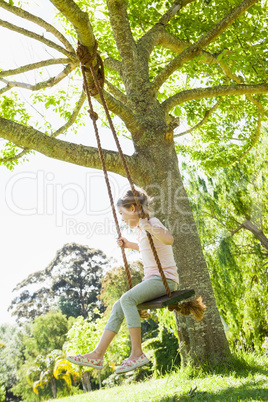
x: 81, y: 360
x: 129, y: 365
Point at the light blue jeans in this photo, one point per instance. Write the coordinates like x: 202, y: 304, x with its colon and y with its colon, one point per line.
x: 126, y: 306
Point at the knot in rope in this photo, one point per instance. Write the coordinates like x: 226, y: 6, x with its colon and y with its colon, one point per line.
x: 86, y: 60
x: 93, y: 115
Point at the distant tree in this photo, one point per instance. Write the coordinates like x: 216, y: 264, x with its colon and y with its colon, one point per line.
x: 47, y: 332
x: 71, y: 282
x: 11, y: 355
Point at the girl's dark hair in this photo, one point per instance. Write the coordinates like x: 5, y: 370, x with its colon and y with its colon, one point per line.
x: 128, y: 199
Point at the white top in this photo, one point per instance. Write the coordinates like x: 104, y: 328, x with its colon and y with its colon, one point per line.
x: 164, y: 252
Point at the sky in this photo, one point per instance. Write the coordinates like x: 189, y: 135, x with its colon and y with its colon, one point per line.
x: 46, y: 203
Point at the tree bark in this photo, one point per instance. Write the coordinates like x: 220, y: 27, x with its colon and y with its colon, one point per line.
x: 86, y: 381
x: 54, y: 388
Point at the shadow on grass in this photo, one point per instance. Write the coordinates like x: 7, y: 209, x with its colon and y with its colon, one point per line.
x: 252, y: 391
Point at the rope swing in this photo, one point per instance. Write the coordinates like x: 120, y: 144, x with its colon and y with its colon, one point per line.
x: 196, y: 307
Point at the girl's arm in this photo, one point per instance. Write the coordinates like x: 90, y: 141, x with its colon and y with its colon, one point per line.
x: 127, y: 244
x: 161, y: 234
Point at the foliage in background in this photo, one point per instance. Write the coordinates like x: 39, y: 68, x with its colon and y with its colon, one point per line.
x: 231, y: 211
x: 11, y: 356
x: 39, y: 339
x: 2, y: 392
x: 47, y: 332
x: 71, y: 282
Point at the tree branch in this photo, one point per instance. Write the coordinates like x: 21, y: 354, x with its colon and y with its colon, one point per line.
x: 79, y: 19
x: 39, y: 21
x: 169, y: 41
x: 116, y: 92
x: 115, y: 106
x: 81, y: 23
x: 44, y: 84
x: 209, y: 92
x: 172, y: 11
x: 16, y: 157
x: 175, y: 44
x: 237, y: 229
x: 73, y: 117
x: 196, y: 48
x: 33, y: 66
x: 28, y: 137
x: 122, y: 32
x: 203, y: 121
x: 247, y: 224
x: 40, y: 38
x: 4, y: 89
x: 150, y: 39
x: 113, y: 64
x: 61, y: 130
x: 228, y: 73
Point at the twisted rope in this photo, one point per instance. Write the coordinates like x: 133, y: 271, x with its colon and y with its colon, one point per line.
x: 99, y: 86
x: 195, y: 307
x: 94, y: 116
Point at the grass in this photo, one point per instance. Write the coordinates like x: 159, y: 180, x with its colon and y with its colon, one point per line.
x: 246, y: 379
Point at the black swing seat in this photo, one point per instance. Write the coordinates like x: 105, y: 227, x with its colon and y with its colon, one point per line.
x: 165, y: 301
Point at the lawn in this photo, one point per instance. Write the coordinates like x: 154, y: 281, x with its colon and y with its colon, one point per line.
x: 245, y: 380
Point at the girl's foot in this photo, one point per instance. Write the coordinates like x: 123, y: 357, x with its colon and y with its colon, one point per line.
x: 89, y: 360
x: 93, y: 355
x: 132, y: 364
x: 134, y: 356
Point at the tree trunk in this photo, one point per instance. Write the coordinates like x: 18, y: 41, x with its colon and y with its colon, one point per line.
x: 86, y: 381
x: 54, y: 388
x: 203, y: 341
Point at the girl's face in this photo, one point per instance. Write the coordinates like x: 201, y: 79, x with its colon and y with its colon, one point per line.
x: 129, y: 216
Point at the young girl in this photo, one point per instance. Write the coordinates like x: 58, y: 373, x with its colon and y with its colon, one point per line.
x: 150, y: 288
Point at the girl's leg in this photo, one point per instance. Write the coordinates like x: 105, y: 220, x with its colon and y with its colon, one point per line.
x: 135, y: 336
x: 146, y: 290
x: 111, y: 329
x: 104, y: 342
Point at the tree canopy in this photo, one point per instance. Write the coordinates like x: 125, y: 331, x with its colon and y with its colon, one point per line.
x: 204, y: 62
x: 71, y: 282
